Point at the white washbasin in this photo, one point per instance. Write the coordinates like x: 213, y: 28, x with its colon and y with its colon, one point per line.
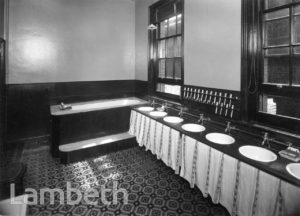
x: 257, y: 153
x: 294, y: 169
x: 220, y: 138
x: 146, y: 109
x: 173, y: 119
x: 158, y: 113
x: 193, y: 128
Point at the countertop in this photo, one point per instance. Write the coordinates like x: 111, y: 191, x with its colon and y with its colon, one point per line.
x: 276, y: 168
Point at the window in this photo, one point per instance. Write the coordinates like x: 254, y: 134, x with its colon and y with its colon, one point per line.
x: 166, y: 47
x: 273, y: 44
x: 281, y: 57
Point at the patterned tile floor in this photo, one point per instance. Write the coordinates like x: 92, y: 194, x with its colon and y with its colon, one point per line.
x: 153, y: 188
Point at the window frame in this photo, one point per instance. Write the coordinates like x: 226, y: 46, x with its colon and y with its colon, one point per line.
x: 153, y: 57
x: 290, y: 45
x: 253, y: 29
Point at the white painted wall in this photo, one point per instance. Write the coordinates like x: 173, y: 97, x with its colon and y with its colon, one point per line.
x: 75, y: 40
x: 71, y: 40
x: 212, y: 42
x: 141, y: 38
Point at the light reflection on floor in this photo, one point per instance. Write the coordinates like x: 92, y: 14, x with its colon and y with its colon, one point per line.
x: 153, y: 188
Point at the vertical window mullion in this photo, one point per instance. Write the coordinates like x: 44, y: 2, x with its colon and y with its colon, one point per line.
x: 175, y: 19
x: 174, y: 41
x: 165, y: 44
x: 168, y: 28
x: 291, y: 47
x: 261, y: 75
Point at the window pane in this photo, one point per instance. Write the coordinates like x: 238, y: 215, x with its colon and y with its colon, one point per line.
x: 283, y: 13
x: 162, y: 68
x: 160, y: 87
x: 169, y: 68
x: 163, y: 29
x: 277, y: 51
x: 296, y: 10
x: 276, y: 3
x: 177, y: 68
x: 267, y: 104
x: 165, y: 12
x: 277, y: 29
x: 296, y: 66
x: 296, y: 23
x: 297, y: 50
x: 179, y: 24
x: 279, y: 105
x: 162, y: 49
x: 179, y: 7
x: 170, y: 48
x: 177, y: 51
x: 172, y: 26
x: 170, y: 89
x: 276, y: 66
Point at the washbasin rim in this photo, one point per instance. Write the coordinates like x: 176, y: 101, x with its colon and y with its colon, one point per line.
x: 173, y: 117
x: 156, y: 111
x: 144, y: 108
x: 242, y: 150
x: 201, y: 127
x: 288, y: 168
x: 231, y: 139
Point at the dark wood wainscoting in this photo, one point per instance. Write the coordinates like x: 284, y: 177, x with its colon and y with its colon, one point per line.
x: 28, y: 105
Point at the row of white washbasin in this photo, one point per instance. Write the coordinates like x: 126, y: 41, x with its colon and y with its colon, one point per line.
x: 252, y: 152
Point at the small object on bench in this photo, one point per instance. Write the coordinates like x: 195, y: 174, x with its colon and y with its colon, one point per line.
x: 13, y: 174
x: 291, y: 153
x: 64, y: 106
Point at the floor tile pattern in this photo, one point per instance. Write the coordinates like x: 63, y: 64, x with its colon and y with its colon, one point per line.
x: 153, y: 187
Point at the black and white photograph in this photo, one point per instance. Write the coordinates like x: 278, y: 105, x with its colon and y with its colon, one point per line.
x: 149, y: 107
